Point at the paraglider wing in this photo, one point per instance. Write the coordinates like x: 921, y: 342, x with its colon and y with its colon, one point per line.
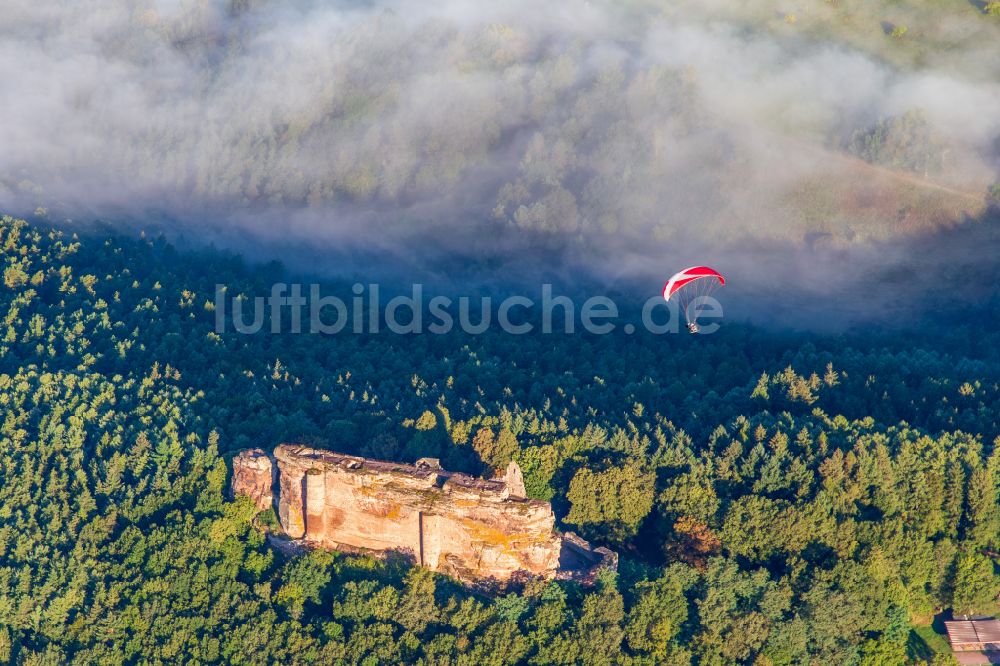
x: 689, y: 286
x: 689, y: 275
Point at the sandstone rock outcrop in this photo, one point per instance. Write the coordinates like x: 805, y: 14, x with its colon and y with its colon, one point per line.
x: 253, y: 476
x: 579, y: 561
x: 469, y: 528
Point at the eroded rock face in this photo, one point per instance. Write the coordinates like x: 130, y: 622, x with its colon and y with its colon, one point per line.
x: 253, y: 476
x: 469, y: 528
x: 453, y: 523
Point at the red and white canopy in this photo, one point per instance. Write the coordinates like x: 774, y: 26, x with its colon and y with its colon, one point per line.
x: 689, y: 275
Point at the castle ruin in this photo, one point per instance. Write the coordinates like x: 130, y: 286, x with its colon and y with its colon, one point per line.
x: 469, y: 528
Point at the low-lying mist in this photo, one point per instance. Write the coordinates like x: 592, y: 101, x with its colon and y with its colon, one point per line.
x: 487, y: 142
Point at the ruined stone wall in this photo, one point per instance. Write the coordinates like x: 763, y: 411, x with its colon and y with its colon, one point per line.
x: 452, y: 523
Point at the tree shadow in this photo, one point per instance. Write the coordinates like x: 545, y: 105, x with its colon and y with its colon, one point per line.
x: 917, y: 649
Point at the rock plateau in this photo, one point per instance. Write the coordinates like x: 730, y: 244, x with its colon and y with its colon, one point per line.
x: 466, y: 527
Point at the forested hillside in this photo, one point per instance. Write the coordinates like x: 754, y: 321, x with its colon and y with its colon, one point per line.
x: 625, y: 122
x: 777, y: 498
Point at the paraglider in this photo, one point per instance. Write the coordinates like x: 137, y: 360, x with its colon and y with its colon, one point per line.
x: 690, y: 284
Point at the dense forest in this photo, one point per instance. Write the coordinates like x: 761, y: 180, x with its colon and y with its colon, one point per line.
x: 777, y: 498
x: 816, y: 483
